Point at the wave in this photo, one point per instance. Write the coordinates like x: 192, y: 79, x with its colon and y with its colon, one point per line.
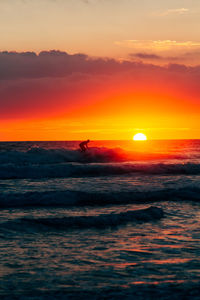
x: 166, y: 288
x: 64, y: 170
x: 79, y: 198
x: 84, y: 222
x: 60, y: 163
x: 38, y: 155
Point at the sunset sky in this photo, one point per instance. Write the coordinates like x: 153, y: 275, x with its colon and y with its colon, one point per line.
x: 99, y: 69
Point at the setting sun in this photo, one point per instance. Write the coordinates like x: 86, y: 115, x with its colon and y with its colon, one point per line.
x: 139, y: 137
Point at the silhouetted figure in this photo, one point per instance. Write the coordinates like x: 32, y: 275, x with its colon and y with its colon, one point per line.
x: 84, y: 145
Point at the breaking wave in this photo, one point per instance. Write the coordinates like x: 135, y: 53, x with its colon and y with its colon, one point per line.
x: 37, y: 155
x: 60, y: 163
x: 84, y: 222
x: 80, y: 198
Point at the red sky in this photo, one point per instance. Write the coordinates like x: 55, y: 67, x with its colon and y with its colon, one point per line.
x: 140, y: 70
x: 54, y: 95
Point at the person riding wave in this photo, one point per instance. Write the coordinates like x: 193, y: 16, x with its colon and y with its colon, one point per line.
x: 84, y: 145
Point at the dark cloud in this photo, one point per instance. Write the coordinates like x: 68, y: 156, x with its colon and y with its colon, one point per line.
x: 54, y: 82
x: 145, y: 56
x: 53, y: 63
x: 184, y: 58
x: 156, y: 57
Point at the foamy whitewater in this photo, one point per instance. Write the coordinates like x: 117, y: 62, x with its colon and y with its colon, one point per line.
x: 120, y: 221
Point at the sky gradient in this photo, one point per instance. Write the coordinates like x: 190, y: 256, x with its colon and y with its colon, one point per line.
x: 99, y: 69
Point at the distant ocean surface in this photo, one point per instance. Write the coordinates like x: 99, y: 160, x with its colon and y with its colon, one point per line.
x: 121, y: 220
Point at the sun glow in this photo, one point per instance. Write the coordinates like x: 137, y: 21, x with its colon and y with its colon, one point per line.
x: 140, y: 137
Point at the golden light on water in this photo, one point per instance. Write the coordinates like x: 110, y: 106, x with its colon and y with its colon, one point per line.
x: 139, y: 137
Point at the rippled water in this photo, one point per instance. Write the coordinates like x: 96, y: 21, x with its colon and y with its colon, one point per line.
x: 122, y: 222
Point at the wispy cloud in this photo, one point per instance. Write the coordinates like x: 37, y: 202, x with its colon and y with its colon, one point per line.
x: 190, y: 58
x: 159, y: 45
x: 174, y: 11
x: 145, y: 56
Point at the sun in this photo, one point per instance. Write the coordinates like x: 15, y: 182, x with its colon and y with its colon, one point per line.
x: 139, y: 137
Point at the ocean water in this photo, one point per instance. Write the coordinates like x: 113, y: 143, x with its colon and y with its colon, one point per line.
x: 121, y: 221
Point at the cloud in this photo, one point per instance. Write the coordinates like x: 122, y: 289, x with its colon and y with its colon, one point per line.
x: 159, y: 45
x: 188, y: 58
x: 159, y: 59
x: 145, y: 56
x: 55, y: 83
x: 52, y: 64
x: 174, y: 11
x: 163, y: 50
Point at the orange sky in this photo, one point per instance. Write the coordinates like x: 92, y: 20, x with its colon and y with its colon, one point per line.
x: 139, y: 71
x: 107, y: 114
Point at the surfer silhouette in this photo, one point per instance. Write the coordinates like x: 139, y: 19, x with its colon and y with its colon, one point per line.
x: 84, y: 145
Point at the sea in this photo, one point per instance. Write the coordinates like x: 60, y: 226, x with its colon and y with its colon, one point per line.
x: 119, y: 221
